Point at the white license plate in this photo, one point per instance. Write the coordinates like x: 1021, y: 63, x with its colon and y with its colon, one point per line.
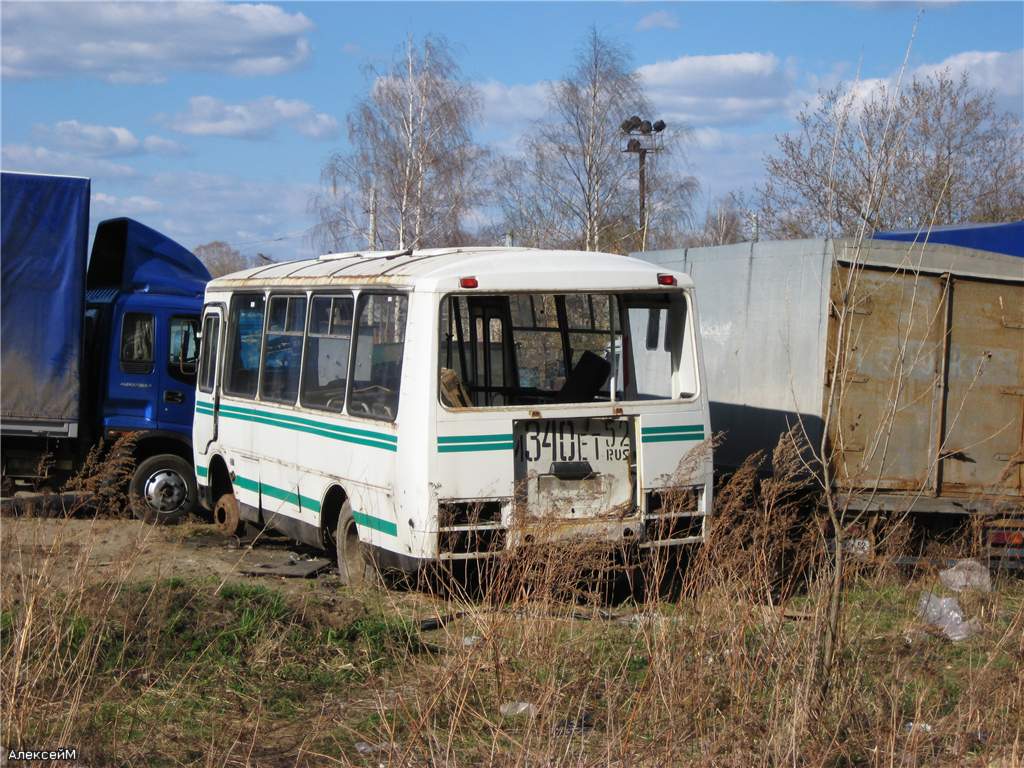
x: 573, y: 468
x: 600, y: 442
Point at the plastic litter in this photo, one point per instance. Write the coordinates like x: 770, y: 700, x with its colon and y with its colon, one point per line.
x: 944, y: 613
x: 365, y: 748
x: 912, y: 727
x: 965, y: 575
x: 517, y: 708
x: 471, y: 640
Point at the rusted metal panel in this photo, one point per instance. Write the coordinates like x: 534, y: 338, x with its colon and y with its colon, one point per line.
x: 886, y: 380
x: 910, y: 386
x: 985, y: 407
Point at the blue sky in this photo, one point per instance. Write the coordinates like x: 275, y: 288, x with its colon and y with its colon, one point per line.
x: 211, y: 121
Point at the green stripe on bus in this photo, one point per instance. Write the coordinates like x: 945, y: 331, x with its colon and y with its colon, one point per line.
x: 269, y: 421
x: 202, y: 471
x: 286, y: 417
x: 672, y: 430
x: 503, y: 446
x: 303, y: 502
x: 473, y: 438
x: 376, y: 523
x: 246, y: 484
x: 672, y: 438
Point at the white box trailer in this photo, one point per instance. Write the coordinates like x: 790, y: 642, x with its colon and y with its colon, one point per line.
x: 926, y: 373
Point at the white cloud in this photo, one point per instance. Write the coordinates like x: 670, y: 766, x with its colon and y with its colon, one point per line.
x: 146, y: 42
x: 107, y: 206
x: 209, y: 116
x: 728, y: 88
x: 319, y: 126
x: 657, y: 20
x: 509, y: 109
x: 999, y: 71
x: 265, y: 215
x: 34, y: 159
x: 102, y: 140
x: 158, y: 145
x: 97, y: 140
x: 728, y: 160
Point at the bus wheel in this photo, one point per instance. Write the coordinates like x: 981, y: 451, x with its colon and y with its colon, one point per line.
x: 354, y: 564
x: 226, y: 516
x: 163, y: 489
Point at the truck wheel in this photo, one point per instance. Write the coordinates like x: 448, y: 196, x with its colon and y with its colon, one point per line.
x: 355, y: 566
x: 163, y: 489
x: 226, y: 515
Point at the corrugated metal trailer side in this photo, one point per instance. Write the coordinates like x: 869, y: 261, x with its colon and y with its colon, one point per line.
x: 914, y: 355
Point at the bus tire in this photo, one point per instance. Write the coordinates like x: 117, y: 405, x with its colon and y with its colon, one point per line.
x: 226, y: 516
x: 355, y: 566
x: 163, y: 489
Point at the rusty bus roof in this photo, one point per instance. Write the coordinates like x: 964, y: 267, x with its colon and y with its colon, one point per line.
x: 439, y: 269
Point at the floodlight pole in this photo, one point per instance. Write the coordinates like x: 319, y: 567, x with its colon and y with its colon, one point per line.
x: 641, y: 135
x: 642, y: 155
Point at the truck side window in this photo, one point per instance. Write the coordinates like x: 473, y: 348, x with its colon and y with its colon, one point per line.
x: 377, y: 358
x: 137, y: 343
x: 245, y: 336
x: 208, y: 360
x: 183, y: 349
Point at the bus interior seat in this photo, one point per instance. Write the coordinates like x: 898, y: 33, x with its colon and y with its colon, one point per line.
x: 453, y: 391
x: 585, y: 382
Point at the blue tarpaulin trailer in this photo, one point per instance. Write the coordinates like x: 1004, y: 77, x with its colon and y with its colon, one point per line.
x: 45, y: 237
x: 1005, y: 238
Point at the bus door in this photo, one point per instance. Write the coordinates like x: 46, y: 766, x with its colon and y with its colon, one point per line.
x: 204, y: 429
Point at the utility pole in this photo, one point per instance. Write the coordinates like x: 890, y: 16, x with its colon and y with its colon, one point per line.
x: 642, y: 139
x: 642, y: 156
x: 372, y: 245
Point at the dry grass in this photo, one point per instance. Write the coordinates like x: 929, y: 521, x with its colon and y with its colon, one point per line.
x: 700, y: 660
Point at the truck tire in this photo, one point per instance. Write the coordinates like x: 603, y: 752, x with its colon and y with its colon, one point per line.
x: 163, y: 489
x: 226, y: 515
x: 355, y: 566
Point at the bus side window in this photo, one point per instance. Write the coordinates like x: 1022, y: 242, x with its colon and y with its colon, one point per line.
x: 282, y: 355
x: 379, y: 349
x: 245, y: 335
x: 325, y: 370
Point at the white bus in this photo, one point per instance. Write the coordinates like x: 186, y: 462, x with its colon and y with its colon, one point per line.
x: 406, y: 407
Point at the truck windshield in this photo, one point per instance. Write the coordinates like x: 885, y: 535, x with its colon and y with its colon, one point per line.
x: 535, y: 348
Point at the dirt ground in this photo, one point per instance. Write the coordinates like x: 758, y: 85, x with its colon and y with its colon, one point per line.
x: 99, y: 549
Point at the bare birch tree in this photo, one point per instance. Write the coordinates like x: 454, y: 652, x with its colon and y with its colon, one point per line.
x: 574, y: 186
x: 726, y: 222
x: 951, y: 157
x: 414, y: 171
x: 220, y: 258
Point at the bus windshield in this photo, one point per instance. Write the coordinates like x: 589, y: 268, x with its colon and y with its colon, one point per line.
x: 533, y: 348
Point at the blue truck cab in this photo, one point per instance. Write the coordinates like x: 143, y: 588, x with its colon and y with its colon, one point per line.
x: 93, y: 352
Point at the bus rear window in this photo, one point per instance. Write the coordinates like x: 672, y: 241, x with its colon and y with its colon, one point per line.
x: 530, y: 349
